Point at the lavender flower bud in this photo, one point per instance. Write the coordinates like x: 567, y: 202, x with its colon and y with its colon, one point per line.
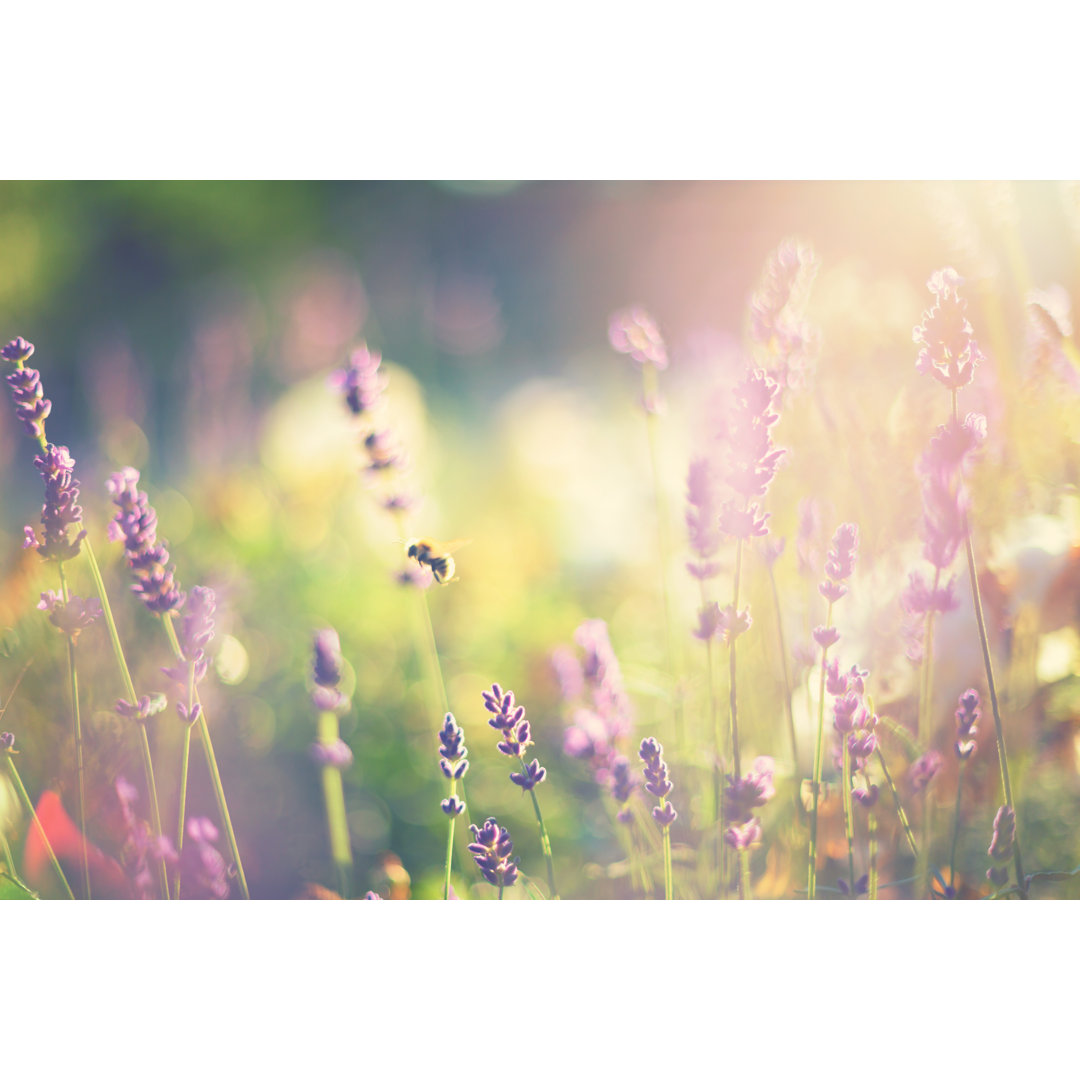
x: 452, y: 750
x: 369, y: 895
x: 72, y: 617
x: 748, y: 792
x: 665, y: 815
x: 708, y: 621
x: 17, y: 351
x: 967, y: 716
x: 361, y: 382
x: 335, y: 755
x: 633, y: 331
x: 998, y: 875
x: 534, y: 774
x: 7, y: 743
x: 61, y: 509
x: 840, y: 562
x: 949, y: 351
x: 31, y: 406
x: 453, y: 806
x: 326, y: 669
x: 744, y: 836
x: 204, y: 874
x: 1001, y: 846
x: 924, y: 770
x: 826, y: 636
x: 141, y: 711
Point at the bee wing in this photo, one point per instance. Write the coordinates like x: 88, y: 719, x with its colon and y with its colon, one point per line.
x: 454, y: 545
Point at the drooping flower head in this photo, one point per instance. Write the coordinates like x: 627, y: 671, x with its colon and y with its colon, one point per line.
x: 135, y: 524
x: 61, y: 509
x: 949, y: 351
x: 491, y: 849
x: 633, y: 332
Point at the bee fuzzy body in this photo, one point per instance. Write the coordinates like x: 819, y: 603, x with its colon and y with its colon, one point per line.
x: 436, y: 557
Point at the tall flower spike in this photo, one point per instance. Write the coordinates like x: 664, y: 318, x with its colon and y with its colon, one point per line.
x: 135, y: 524
x: 967, y: 717
x: 326, y: 672
x: 948, y: 350
x: 31, y: 405
x: 657, y: 782
x: 491, y: 849
x: 361, y: 382
x: 61, y: 509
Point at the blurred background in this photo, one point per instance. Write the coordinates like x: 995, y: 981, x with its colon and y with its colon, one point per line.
x: 189, y: 329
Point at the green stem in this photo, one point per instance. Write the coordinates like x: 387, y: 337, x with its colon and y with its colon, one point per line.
x: 215, y: 774
x: 449, y: 847
x: 29, y: 806
x: 433, y: 652
x: 731, y: 664
x: 80, y: 773
x: 545, y: 842
x: 185, y: 757
x: 12, y: 873
x: 999, y: 728
x: 669, y: 881
x: 501, y: 887
x: 819, y: 747
x: 956, y: 828
x: 129, y: 689
x: 849, y: 824
x: 744, y: 875
x: 899, y: 809
x: 872, y: 828
x: 334, y: 797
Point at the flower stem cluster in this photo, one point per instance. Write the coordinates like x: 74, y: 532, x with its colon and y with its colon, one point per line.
x: 744, y: 795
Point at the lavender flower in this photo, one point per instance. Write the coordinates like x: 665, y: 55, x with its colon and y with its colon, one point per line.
x: 361, y: 382
x: 634, y: 332
x: 491, y: 849
x: 140, y: 711
x: 967, y: 716
x: 452, y: 750
x: 923, y: 770
x: 744, y: 794
x: 532, y: 775
x: 733, y: 624
x: 334, y: 755
x: 141, y: 849
x: 31, y: 406
x: 136, y: 524
x: 204, y: 874
x: 776, y: 307
x: 702, y: 519
x: 70, y: 617
x: 623, y: 786
x: 708, y: 621
x: 452, y: 806
x: 369, y: 895
x: 657, y: 782
x: 825, y: 636
x: 745, y: 835
x: 861, y: 886
x: 840, y: 562
x: 7, y: 743
x: 326, y: 671
x: 949, y: 351
x: 61, y: 509
x: 1001, y: 846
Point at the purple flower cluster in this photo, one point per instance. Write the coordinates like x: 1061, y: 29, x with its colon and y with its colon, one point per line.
x: 204, y: 874
x: 703, y: 518
x: 509, y: 719
x: 744, y: 795
x: 140, y: 711
x: 592, y: 685
x: 948, y: 349
x: 623, y: 786
x: 31, y: 405
x: 491, y: 849
x: 141, y: 849
x: 453, y: 761
x: 750, y: 459
x: 777, y: 309
x: 839, y: 567
x: 855, y: 722
x: 326, y: 672
x: 657, y: 782
x: 923, y: 770
x: 136, y: 524
x: 362, y: 385
x: 61, y: 509
x: 194, y: 635
x: 967, y: 717
x: 633, y: 332
x: 70, y: 617
x: 7, y: 743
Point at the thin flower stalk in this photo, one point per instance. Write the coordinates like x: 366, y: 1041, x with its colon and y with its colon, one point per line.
x: 454, y: 764
x: 901, y: 815
x: 819, y: 752
x: 7, y: 742
x: 658, y: 783
x: 329, y: 752
x: 872, y: 853
x: 508, y: 718
x: 849, y: 815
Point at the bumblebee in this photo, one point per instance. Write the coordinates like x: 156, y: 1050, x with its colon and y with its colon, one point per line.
x: 437, y: 556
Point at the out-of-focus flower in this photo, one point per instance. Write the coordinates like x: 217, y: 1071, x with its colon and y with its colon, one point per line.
x: 17, y: 350
x: 204, y: 874
x: 135, y: 524
x: 776, y: 307
x: 750, y: 458
x: 194, y: 634
x: 1001, y: 845
x: 623, y: 786
x: 923, y: 770
x: 948, y: 350
x: 141, y: 849
x: 826, y: 636
x: 71, y: 617
x: 840, y: 562
x: 744, y: 794
x: 967, y: 716
x: 708, y: 621
x: 31, y: 406
x: 862, y: 886
x: 361, y: 382
x: 733, y: 624
x: 491, y: 850
x: 633, y: 332
x: 334, y: 755
x: 7, y: 743
x: 140, y: 711
x: 807, y: 535
x: 702, y: 521
x: 745, y: 835
x: 865, y: 794
x: 920, y: 598
x: 61, y: 509
x: 326, y: 672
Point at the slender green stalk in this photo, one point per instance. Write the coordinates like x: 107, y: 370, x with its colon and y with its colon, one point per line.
x: 185, y: 757
x: 956, y: 828
x: 849, y: 817
x: 432, y: 651
x: 12, y: 873
x: 872, y: 890
x: 649, y: 393
x: 215, y: 774
x: 819, y: 749
x: 545, y: 840
x: 926, y: 699
x: 784, y: 669
x: 999, y: 728
x: 73, y: 674
x: 899, y: 809
x: 501, y: 887
x: 718, y: 745
x: 669, y: 889
x: 449, y: 848
x: 734, y: 709
x: 744, y: 876
x: 334, y: 797
x: 29, y: 807
x: 129, y: 689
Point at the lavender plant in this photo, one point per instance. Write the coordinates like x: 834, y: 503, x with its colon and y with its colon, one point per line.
x: 453, y: 763
x: 491, y: 849
x: 658, y: 784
